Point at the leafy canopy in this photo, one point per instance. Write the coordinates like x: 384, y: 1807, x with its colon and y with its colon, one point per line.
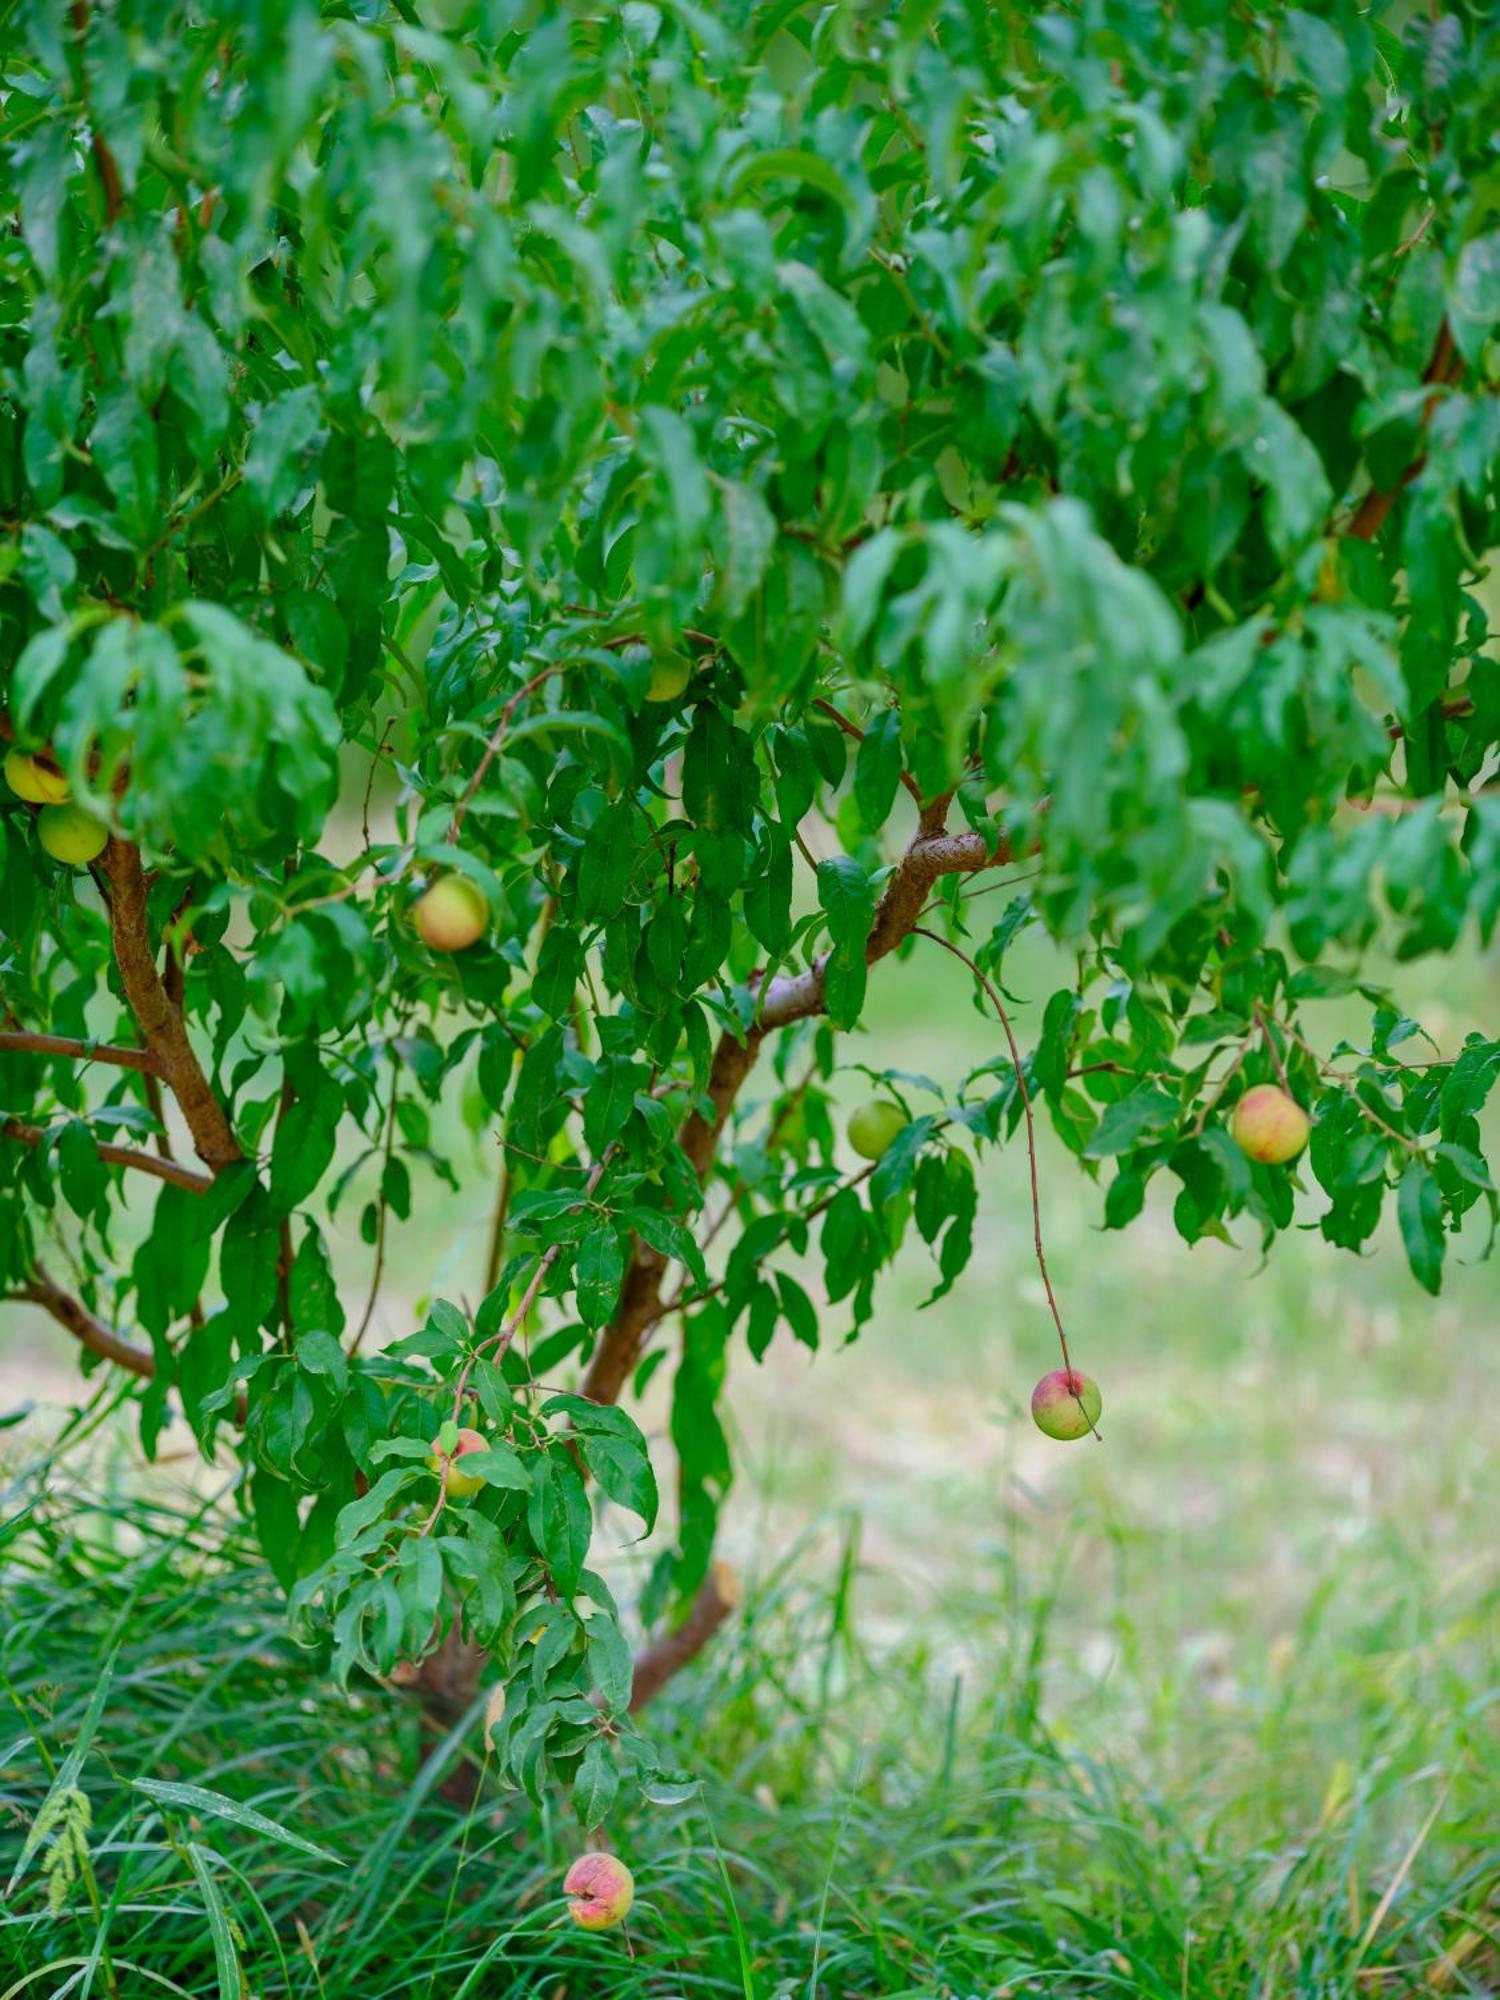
x: 1060, y: 444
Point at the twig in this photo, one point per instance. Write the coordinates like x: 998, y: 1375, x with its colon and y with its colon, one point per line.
x: 381, y: 1209
x: 1036, y: 1196
x: 497, y: 1228
x: 117, y: 1156
x: 1219, y: 1089
x: 1270, y: 1042
x: 364, y: 818
x: 1348, y: 1086
x: 492, y: 748
x: 24, y: 1042
x: 827, y: 708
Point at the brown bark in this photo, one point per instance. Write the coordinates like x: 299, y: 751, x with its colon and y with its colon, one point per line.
x: 119, y: 1156
x: 717, y: 1600
x: 90, y: 1331
x: 162, y: 1026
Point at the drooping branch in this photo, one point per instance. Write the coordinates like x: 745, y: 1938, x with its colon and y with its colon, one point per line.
x: 718, y: 1598
x: 162, y: 1026
x: 117, y: 1156
x: 85, y: 1327
x: 23, y: 1042
x: 787, y: 998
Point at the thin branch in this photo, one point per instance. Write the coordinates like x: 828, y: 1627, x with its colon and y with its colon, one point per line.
x: 492, y: 748
x: 1036, y: 1194
x: 382, y: 1209
x: 85, y: 1327
x: 25, y: 1043
x: 498, y: 1222
x: 827, y: 708
x: 117, y: 1156
x: 1275, y: 1053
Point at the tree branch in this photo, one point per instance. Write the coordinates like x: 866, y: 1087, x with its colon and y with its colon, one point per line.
x: 1445, y: 366
x: 789, y: 997
x: 23, y: 1042
x: 91, y: 1332
x: 161, y: 1025
x: 718, y: 1598
x: 117, y: 1156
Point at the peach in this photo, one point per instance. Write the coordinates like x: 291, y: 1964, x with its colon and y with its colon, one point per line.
x: 461, y: 1485
x: 602, y: 1890
x: 1269, y: 1126
x: 452, y: 914
x: 1066, y: 1404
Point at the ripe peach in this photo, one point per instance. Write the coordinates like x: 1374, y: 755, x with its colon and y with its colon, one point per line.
x: 461, y: 1485
x: 1066, y: 1405
x: 602, y: 1890
x: 1268, y: 1125
x: 452, y: 914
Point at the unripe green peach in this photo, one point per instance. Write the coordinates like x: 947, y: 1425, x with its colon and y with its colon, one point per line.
x: 1066, y: 1405
x: 452, y: 914
x: 34, y: 779
x: 461, y: 1485
x: 1268, y: 1125
x: 670, y: 674
x: 71, y: 835
x: 874, y: 1125
x: 601, y: 1889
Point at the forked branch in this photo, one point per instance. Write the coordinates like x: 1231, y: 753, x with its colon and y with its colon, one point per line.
x: 787, y: 998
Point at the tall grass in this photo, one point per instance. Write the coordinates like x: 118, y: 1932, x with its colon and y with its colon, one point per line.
x: 907, y: 1820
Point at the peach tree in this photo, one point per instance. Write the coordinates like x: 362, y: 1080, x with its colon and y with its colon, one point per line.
x: 743, y: 483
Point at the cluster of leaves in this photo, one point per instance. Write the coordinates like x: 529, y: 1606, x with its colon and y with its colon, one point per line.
x: 605, y: 420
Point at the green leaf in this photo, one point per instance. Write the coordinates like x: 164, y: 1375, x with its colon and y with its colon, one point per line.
x: 306, y: 1133
x: 281, y: 450
x: 205, y: 1804
x: 598, y: 1273
x: 558, y: 1519
x: 877, y: 769
x: 596, y: 1786
x: 220, y: 1929
x: 623, y: 1469
x: 1419, y: 1209
x: 1132, y: 1121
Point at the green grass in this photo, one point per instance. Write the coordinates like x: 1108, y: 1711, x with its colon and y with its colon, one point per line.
x: 901, y: 1819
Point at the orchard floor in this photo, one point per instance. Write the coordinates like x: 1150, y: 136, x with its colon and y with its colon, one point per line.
x: 1210, y: 1709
